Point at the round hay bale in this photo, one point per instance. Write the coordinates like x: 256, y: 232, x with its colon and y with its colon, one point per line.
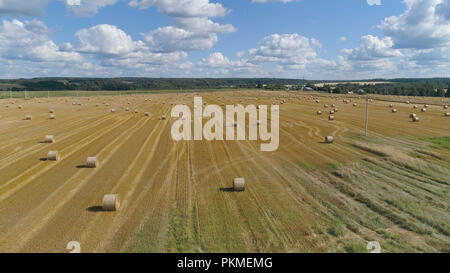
x: 394, y: 110
x: 426, y: 106
x: 28, y: 117
x: 412, y: 115
x: 416, y: 119
x: 319, y: 112
x: 331, y: 112
x: 329, y: 139
x: 97, y: 105
x: 333, y: 105
x: 424, y: 109
x: 325, y: 106
x: 354, y: 104
x: 336, y: 110
x: 447, y: 114
x: 111, y: 202
x: 445, y: 106
x: 51, y: 111
x: 415, y: 107
x: 113, y: 110
x: 391, y: 105
x: 147, y: 114
x: 239, y: 184
x: 331, y: 117
x: 258, y: 122
x: 92, y: 162
x: 127, y: 109
x: 136, y: 111
x: 20, y: 106
x: 53, y: 156
x: 163, y: 117
x: 49, y: 139
x: 52, y: 117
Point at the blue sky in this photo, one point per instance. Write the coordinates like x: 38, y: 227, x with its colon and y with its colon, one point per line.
x: 321, y: 39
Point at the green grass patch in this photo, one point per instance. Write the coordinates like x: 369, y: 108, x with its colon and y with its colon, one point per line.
x: 309, y: 166
x: 355, y: 247
x: 438, y: 142
x: 333, y: 166
x: 336, y: 231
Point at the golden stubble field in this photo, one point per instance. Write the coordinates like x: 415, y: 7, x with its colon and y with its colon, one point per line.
x: 308, y: 196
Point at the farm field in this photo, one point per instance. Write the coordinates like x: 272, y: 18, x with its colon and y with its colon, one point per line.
x: 308, y: 196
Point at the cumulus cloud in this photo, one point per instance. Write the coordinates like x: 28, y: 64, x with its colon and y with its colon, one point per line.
x: 87, y: 7
x: 191, y: 30
x: 112, y: 47
x: 182, y: 8
x: 187, y: 34
x: 26, y: 50
x: 29, y: 41
x: 22, y: 7
x: 102, y: 39
x: 292, y: 49
x: 371, y: 47
x: 424, y: 24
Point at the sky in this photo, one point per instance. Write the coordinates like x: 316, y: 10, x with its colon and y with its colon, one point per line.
x: 314, y: 39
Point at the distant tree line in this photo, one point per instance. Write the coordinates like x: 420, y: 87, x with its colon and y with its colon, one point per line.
x: 97, y: 84
x: 402, y: 87
x: 437, y: 87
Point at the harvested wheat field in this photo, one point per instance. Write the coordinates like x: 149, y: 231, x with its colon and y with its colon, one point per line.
x: 308, y: 196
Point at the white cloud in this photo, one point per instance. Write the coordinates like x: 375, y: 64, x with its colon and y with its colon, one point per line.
x: 102, y: 39
x: 424, y: 24
x: 87, y: 7
x: 374, y: 2
x: 113, y: 48
x: 191, y: 30
x: 371, y: 48
x: 343, y: 39
x: 291, y: 49
x: 26, y: 50
x: 183, y: 8
x: 187, y: 34
x: 22, y: 7
x: 29, y: 41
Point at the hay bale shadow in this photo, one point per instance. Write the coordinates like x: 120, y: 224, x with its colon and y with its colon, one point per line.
x: 227, y: 189
x: 43, y: 159
x: 95, y: 209
x: 82, y: 167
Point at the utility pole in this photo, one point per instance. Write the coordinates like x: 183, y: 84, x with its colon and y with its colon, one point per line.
x: 48, y: 94
x: 367, y: 114
x: 120, y: 98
